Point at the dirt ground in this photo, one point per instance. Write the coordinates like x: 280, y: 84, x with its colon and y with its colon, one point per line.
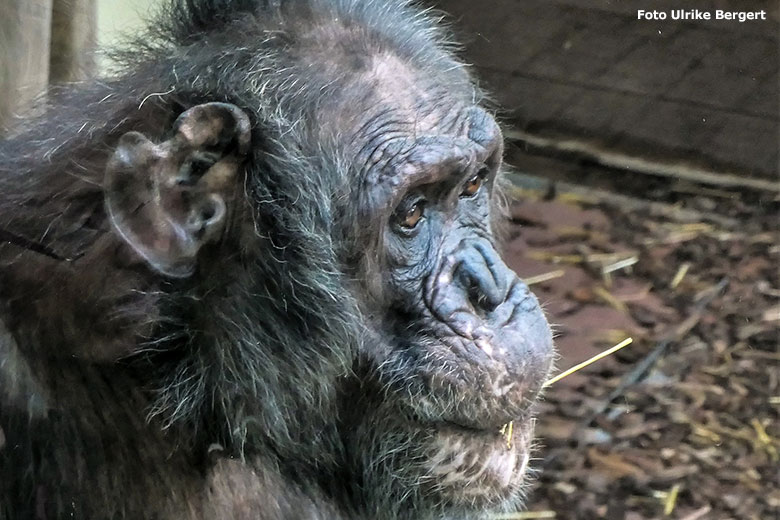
x: 683, y: 423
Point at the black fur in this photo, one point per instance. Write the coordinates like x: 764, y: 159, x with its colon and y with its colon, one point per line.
x: 231, y: 393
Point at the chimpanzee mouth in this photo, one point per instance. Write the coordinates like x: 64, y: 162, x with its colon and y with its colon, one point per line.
x: 463, y: 388
x: 508, y: 435
x: 481, y: 466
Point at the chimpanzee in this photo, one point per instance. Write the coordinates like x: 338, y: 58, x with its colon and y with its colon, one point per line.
x: 253, y: 274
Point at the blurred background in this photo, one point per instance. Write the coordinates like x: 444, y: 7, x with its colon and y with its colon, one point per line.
x: 645, y: 188
x: 46, y: 42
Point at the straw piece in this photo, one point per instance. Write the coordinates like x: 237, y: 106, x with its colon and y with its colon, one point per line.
x: 582, y: 365
x: 681, y: 272
x: 621, y: 264
x: 671, y: 499
x: 544, y: 277
x: 526, y: 515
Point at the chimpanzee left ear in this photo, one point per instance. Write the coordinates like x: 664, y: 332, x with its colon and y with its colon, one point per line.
x: 167, y: 200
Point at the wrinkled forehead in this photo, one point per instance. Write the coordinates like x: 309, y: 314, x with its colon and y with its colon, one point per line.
x: 389, y: 97
x: 414, y: 97
x: 398, y: 126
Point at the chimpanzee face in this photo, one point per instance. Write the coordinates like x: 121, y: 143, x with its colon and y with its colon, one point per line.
x: 470, y: 345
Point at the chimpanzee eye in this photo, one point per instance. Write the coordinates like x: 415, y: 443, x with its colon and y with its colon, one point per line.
x: 473, y: 185
x: 408, y: 218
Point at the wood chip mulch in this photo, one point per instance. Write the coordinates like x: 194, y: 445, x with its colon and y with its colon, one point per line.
x: 684, y: 422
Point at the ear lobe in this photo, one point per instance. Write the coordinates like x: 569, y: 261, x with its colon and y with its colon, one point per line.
x: 168, y: 200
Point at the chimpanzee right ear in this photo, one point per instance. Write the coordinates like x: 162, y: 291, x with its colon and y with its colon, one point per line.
x: 167, y: 200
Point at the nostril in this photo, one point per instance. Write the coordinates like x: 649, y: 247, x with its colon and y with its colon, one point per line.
x: 482, y: 300
x: 482, y: 276
x: 481, y: 290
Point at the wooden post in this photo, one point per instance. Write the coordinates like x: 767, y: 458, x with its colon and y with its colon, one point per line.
x: 73, y: 36
x: 24, y: 54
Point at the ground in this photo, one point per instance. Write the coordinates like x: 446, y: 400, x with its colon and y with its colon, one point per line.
x: 683, y: 423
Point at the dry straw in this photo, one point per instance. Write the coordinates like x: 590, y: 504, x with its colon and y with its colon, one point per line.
x: 508, y: 428
x: 626, y: 342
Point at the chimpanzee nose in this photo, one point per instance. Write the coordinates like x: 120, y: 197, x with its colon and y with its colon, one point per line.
x: 483, y: 275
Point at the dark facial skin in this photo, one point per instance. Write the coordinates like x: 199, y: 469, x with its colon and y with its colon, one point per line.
x: 470, y: 345
x: 446, y: 273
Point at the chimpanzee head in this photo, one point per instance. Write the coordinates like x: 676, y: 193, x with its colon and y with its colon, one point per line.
x: 459, y: 346
x: 310, y: 191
